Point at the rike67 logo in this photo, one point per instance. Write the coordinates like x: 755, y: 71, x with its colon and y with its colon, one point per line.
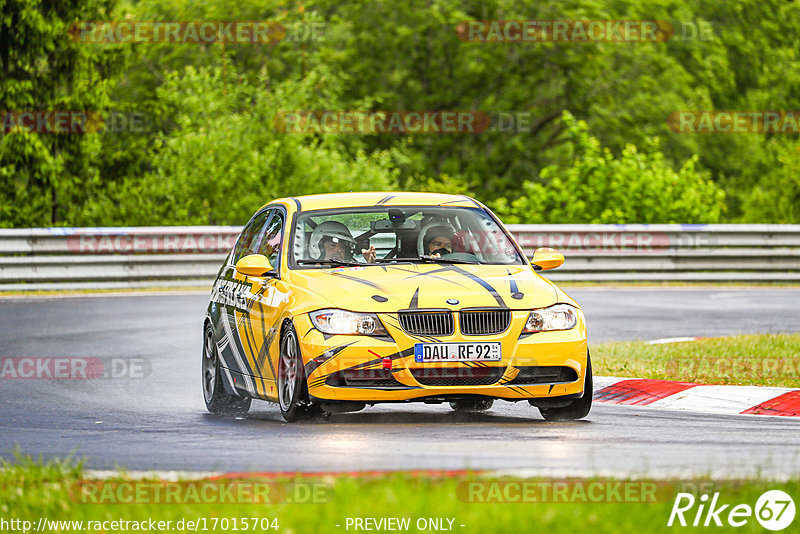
x: 774, y: 510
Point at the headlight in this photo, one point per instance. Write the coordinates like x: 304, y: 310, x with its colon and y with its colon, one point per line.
x: 558, y: 317
x: 345, y: 322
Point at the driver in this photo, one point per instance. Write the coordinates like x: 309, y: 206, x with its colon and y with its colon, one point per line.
x: 332, y: 240
x: 438, y: 241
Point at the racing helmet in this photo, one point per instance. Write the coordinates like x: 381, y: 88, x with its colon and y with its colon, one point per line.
x: 430, y: 231
x: 334, y: 230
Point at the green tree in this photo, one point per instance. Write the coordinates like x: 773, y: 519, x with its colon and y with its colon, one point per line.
x: 775, y: 197
x: 44, y: 177
x: 639, y: 186
x: 398, y: 55
x: 226, y: 156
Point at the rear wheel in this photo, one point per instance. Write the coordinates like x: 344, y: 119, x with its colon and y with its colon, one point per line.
x: 472, y: 405
x: 579, y: 408
x: 292, y: 385
x: 218, y: 401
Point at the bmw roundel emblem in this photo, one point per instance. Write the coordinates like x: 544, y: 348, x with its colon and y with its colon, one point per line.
x: 452, y: 301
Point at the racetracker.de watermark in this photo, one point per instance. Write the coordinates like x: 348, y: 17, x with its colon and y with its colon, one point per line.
x: 221, y: 491
x: 573, y: 491
x: 406, y: 122
x: 72, y: 122
x: 382, y: 122
x: 73, y: 368
x: 730, y: 122
x: 584, y: 31
x: 712, y: 368
x: 611, y: 241
x: 198, y: 31
x: 565, y: 31
x: 93, y: 242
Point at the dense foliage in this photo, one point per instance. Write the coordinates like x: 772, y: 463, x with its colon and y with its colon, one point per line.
x: 601, y: 188
x: 590, y: 141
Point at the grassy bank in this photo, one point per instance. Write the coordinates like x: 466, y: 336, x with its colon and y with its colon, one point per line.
x: 758, y: 360
x: 470, y: 504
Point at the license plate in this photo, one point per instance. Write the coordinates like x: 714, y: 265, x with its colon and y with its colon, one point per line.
x: 456, y: 352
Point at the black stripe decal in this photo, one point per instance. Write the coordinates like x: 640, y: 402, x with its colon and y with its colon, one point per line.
x: 396, y: 355
x: 486, y: 285
x: 360, y: 280
x: 248, y: 333
x: 311, y: 366
x: 236, y: 341
x: 325, y: 336
x: 265, y: 347
x: 414, y: 304
x: 413, y: 271
x: 385, y: 200
x: 434, y: 276
x: 515, y: 292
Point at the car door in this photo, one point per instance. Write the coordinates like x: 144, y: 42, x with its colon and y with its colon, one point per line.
x: 229, y: 294
x: 264, y: 299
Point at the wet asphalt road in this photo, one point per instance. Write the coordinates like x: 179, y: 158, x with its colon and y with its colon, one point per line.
x: 158, y: 420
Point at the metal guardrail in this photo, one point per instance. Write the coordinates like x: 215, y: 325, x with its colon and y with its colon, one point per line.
x: 73, y: 258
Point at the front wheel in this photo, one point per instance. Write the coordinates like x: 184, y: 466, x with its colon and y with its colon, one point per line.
x: 292, y: 385
x: 218, y: 401
x: 579, y: 408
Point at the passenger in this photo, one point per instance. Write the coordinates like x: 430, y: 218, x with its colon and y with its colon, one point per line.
x: 438, y: 241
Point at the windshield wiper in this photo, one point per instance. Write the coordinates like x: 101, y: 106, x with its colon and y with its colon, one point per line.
x: 437, y: 259
x: 332, y: 262
x: 426, y: 259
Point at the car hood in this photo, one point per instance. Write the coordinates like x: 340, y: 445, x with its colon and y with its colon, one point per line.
x: 406, y: 286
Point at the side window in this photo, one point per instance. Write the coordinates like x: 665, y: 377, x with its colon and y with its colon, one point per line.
x: 271, y: 239
x: 250, y: 235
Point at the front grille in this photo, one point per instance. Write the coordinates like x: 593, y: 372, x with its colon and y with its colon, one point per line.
x: 427, y: 323
x: 544, y: 375
x: 457, y: 376
x: 364, y: 378
x: 485, y: 322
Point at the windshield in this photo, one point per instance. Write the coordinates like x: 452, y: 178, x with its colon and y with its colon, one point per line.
x: 345, y: 236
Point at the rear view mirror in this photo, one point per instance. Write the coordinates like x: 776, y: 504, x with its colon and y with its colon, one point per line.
x: 386, y: 225
x: 255, y: 265
x: 547, y: 258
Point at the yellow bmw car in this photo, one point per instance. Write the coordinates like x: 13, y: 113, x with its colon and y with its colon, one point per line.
x: 328, y: 303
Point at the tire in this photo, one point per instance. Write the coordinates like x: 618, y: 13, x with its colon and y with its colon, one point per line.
x: 292, y: 385
x: 475, y: 405
x: 579, y: 407
x: 218, y: 401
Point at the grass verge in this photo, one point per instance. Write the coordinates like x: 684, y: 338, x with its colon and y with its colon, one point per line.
x: 756, y: 360
x: 57, y: 491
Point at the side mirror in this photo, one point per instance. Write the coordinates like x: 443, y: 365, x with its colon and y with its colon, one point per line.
x: 255, y: 265
x: 546, y: 258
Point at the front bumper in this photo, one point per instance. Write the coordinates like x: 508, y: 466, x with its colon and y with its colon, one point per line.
x: 354, y: 368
